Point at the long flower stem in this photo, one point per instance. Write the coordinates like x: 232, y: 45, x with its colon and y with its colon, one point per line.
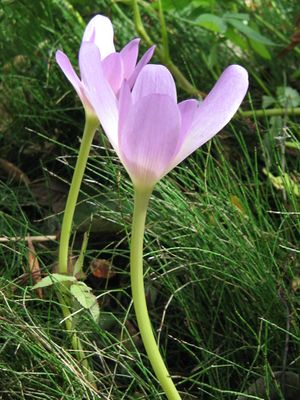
x: 141, y: 201
x: 76, y: 343
x: 91, y: 124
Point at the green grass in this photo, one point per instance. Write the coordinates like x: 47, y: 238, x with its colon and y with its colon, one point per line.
x: 221, y: 245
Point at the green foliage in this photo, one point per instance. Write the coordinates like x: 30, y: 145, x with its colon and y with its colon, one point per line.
x: 238, y: 27
x: 53, y: 279
x: 247, y: 31
x: 285, y: 97
x: 284, y: 182
x: 212, y: 23
x: 82, y: 294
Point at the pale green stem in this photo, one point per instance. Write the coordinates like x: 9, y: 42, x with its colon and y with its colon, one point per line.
x: 91, y: 124
x: 139, y: 26
x: 76, y: 343
x: 163, y: 52
x: 272, y: 112
x: 141, y: 201
x: 164, y: 31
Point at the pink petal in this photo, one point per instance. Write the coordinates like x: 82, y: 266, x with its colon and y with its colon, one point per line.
x: 67, y: 68
x: 113, y: 70
x: 125, y: 104
x: 143, y: 61
x: 99, y: 91
x: 65, y: 65
x: 187, y: 110
x: 129, y: 56
x: 154, y: 79
x: 100, y: 32
x: 216, y: 110
x: 149, y: 138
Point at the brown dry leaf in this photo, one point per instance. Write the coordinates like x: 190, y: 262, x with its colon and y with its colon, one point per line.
x: 34, y: 267
x: 14, y: 172
x: 102, y: 269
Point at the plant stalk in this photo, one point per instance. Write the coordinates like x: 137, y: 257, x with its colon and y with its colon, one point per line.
x: 141, y: 200
x: 272, y: 112
x: 75, y: 340
x: 163, y: 51
x: 164, y: 31
x: 91, y: 124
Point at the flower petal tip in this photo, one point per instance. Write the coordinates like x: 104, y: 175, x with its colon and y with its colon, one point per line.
x: 152, y: 50
x: 60, y: 56
x: 239, y: 72
x: 100, y: 31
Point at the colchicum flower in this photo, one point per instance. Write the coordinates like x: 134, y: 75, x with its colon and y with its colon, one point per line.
x: 115, y: 69
x: 116, y: 66
x: 149, y: 131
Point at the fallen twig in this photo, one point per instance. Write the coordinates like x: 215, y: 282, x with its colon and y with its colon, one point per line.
x: 42, y: 238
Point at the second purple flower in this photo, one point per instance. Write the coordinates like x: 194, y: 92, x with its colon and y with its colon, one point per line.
x: 116, y: 66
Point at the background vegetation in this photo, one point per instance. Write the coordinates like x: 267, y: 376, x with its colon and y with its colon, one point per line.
x: 222, y: 237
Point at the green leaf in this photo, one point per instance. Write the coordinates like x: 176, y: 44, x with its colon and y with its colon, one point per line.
x: 276, y: 122
x: 239, y: 16
x: 173, y: 4
x: 284, y: 182
x: 237, y: 39
x: 267, y: 101
x: 52, y: 279
x: 212, y: 23
x: 258, y: 47
x: 249, y: 32
x: 180, y: 5
x: 293, y: 145
x: 287, y: 96
x: 212, y: 58
x: 95, y: 311
x: 83, y: 295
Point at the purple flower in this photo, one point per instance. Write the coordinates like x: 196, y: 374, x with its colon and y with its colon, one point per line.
x: 116, y: 66
x: 150, y: 132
